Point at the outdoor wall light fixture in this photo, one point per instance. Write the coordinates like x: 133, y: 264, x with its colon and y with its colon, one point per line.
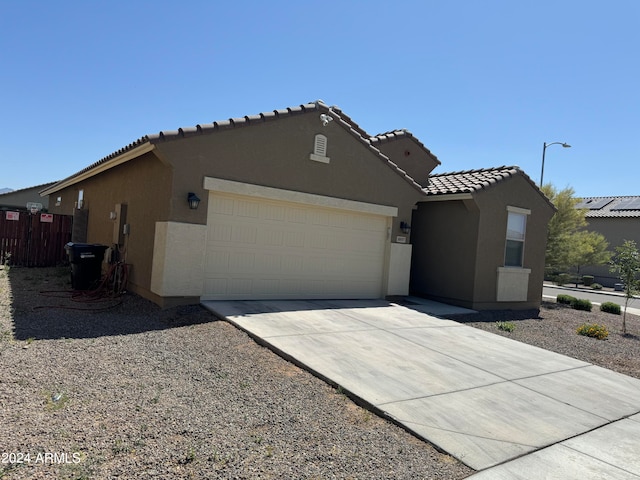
x: 325, y: 119
x: 193, y: 200
x: 405, y: 227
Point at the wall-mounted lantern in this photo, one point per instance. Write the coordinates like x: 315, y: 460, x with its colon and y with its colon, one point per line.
x: 193, y: 200
x: 405, y: 227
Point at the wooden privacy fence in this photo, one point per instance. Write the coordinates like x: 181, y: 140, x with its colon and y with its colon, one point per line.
x: 34, y: 240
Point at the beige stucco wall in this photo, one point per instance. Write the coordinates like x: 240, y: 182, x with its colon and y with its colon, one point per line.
x: 178, y: 259
x: 144, y: 186
x: 615, y: 231
x: 399, y: 269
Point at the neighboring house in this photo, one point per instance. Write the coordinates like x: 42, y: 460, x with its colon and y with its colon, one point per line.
x: 18, y: 199
x: 479, y: 239
x: 617, y: 219
x: 297, y: 203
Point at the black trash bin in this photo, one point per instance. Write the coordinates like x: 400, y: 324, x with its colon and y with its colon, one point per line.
x: 86, y: 264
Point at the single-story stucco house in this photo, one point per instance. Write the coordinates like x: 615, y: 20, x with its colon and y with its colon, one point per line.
x: 615, y: 218
x: 302, y: 203
x: 19, y: 199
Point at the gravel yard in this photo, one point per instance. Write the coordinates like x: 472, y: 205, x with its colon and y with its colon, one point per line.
x: 126, y: 390
x: 554, y: 328
x: 122, y: 389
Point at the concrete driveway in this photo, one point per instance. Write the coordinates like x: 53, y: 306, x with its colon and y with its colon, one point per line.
x: 504, y: 408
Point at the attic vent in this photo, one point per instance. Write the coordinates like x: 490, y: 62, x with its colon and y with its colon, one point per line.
x: 320, y: 149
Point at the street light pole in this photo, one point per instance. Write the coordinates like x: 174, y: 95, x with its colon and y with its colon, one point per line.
x: 544, y: 150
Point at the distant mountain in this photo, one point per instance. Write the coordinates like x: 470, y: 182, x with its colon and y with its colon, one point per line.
x: 5, y: 190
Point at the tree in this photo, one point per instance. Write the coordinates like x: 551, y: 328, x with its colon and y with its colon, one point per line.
x: 626, y: 262
x: 587, y: 248
x: 569, y: 243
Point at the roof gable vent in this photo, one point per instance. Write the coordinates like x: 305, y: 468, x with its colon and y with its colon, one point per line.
x: 320, y: 149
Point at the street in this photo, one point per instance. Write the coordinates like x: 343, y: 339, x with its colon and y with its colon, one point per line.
x: 594, y: 295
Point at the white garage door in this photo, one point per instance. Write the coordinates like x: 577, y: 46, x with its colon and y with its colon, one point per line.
x: 261, y: 249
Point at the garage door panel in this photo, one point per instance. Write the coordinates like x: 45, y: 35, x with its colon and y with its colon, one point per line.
x: 247, y: 209
x: 222, y: 206
x: 269, y: 249
x: 296, y: 215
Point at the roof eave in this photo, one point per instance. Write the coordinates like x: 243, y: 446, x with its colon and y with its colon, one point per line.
x: 445, y: 197
x: 99, y: 168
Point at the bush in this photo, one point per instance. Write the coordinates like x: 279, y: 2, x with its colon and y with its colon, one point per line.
x: 593, y: 330
x: 563, y: 278
x: 565, y: 299
x: 596, y: 286
x: 610, y: 307
x: 587, y: 280
x: 506, y: 326
x: 581, y: 304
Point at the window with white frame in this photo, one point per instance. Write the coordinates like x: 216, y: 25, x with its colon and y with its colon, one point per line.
x: 516, y: 229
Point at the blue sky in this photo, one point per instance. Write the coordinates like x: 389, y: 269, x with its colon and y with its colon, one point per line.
x: 480, y: 83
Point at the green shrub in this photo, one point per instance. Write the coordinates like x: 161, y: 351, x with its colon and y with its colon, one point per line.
x: 596, y: 286
x: 593, y: 330
x: 610, y: 307
x: 587, y: 280
x: 506, y: 326
x: 581, y: 304
x: 565, y: 299
x: 563, y: 278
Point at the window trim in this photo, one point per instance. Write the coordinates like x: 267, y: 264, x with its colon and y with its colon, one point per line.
x: 524, y: 212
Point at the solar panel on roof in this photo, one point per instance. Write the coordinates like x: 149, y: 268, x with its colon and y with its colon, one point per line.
x: 595, y: 204
x: 628, y: 204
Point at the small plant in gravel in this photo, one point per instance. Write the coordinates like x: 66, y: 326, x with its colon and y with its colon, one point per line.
x: 593, y: 330
x: 120, y: 446
x: 610, y: 307
x: 189, y: 457
x: 582, y: 304
x: 56, y: 401
x: 221, y: 459
x: 596, y: 286
x: 6, y: 335
x: 506, y: 326
x: 565, y: 299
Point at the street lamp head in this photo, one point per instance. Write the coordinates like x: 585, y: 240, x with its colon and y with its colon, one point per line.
x: 544, y: 149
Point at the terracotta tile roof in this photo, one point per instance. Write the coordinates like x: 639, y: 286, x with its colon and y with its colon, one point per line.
x: 319, y: 106
x: 469, y: 181
x: 611, y: 207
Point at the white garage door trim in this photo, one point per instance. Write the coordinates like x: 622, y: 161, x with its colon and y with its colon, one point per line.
x: 251, y: 190
x: 261, y: 247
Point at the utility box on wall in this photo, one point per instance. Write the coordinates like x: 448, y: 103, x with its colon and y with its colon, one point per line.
x: 119, y: 223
